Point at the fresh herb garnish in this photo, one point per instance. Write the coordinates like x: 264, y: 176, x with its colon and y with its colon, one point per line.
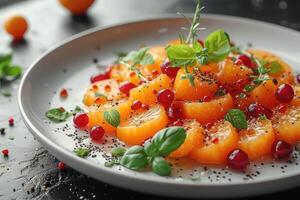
x: 112, y: 117
x: 118, y: 151
x: 242, y: 95
x: 57, y: 114
x: 162, y: 144
x: 237, y: 118
x: 249, y: 88
x: 82, y: 152
x: 136, y: 58
x: 77, y: 109
x: 262, y: 117
x: 120, y: 54
x: 98, y: 94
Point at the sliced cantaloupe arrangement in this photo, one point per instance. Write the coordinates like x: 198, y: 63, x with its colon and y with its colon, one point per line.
x: 146, y: 92
x: 208, y: 112
x: 122, y: 72
x: 219, y: 140
x: 265, y: 94
x: 204, y: 86
x: 102, y: 91
x: 194, y: 139
x: 287, y: 125
x: 233, y: 77
x: 96, y: 113
x: 141, y: 126
x: 258, y: 139
x: 296, y: 100
x: 285, y: 75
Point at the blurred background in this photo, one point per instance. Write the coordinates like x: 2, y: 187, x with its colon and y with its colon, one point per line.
x: 31, y: 172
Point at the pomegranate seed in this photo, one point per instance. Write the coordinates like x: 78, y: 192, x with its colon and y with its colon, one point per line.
x: 107, y: 88
x: 154, y: 91
x: 282, y: 108
x: 155, y: 72
x: 238, y: 62
x: 61, y: 166
x: 208, y: 125
x: 5, y: 152
x: 165, y: 97
x: 132, y: 74
x: 206, y: 98
x: 108, y: 71
x: 245, y: 60
x: 11, y: 121
x: 298, y: 78
x: 256, y: 110
x: 281, y: 149
x: 178, y: 123
x: 175, y: 111
x: 126, y: 87
x: 63, y: 93
x: 145, y: 106
x: 167, y: 69
x: 99, y: 77
x: 136, y: 105
x: 96, y: 133
x: 237, y: 159
x: 81, y: 120
x: 201, y: 42
x: 215, y: 140
x: 284, y: 93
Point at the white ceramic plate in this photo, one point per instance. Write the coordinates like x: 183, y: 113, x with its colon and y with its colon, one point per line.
x: 70, y: 65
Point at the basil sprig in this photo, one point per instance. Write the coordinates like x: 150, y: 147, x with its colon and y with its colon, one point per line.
x: 8, y: 71
x: 58, y: 114
x: 216, y: 48
x: 237, y: 118
x: 162, y: 144
x: 112, y: 117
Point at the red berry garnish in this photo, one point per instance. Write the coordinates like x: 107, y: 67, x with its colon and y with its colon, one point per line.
x: 61, y: 166
x: 96, y: 133
x: 11, y: 121
x: 63, y: 93
x: 145, y: 106
x: 281, y: 149
x: 175, y: 111
x: 206, y: 98
x: 126, y: 87
x: 81, y: 120
x: 99, y: 77
x: 245, y: 60
x: 165, y: 97
x: 284, y: 93
x: 256, y: 110
x: 136, y: 105
x: 237, y: 159
x: 167, y: 69
x: 5, y: 152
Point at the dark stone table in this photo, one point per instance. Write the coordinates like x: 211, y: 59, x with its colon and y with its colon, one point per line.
x: 30, y: 172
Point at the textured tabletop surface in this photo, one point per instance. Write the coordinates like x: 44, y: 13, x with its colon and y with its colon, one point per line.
x: 30, y: 172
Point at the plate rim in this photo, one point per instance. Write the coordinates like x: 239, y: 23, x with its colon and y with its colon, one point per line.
x: 61, y: 152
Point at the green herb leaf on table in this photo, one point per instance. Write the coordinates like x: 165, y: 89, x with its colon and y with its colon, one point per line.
x: 135, y: 158
x: 82, y: 152
x: 6, y: 93
x: 118, y: 151
x: 165, y: 141
x: 58, y: 114
x: 160, y: 166
x: 7, y: 70
x: 237, y: 118
x: 112, y: 117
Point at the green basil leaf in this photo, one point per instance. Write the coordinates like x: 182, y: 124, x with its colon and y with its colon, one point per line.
x: 112, y: 117
x: 118, y: 151
x: 218, y: 45
x: 57, y: 114
x: 197, y: 46
x: 147, y: 59
x: 6, y: 93
x: 249, y: 88
x: 5, y: 60
x: 237, y: 118
x: 77, y: 110
x: 165, y: 141
x: 274, y: 68
x: 82, y: 152
x: 160, y: 166
x: 181, y: 55
x: 13, y: 71
x: 135, y: 158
